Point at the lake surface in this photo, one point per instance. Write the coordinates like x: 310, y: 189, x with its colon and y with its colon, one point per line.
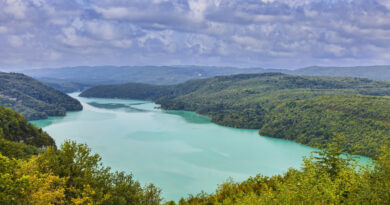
x: 178, y: 151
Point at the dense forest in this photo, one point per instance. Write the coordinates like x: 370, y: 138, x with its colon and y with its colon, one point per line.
x: 33, y: 99
x: 19, y: 138
x: 71, y: 79
x: 73, y: 174
x: 305, y: 109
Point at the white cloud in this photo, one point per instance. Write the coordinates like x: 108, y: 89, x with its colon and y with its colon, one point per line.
x: 102, y: 30
x: 126, y: 43
x: 16, y: 8
x: 70, y: 37
x: 197, y: 9
x: 77, y: 24
x: 334, y: 49
x: 385, y: 3
x: 18, y: 41
x: 15, y: 41
x: 59, y: 21
x: 3, y: 29
x: 113, y: 12
x: 246, y: 40
x: 52, y: 55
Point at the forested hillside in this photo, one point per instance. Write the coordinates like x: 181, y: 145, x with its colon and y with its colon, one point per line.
x: 19, y: 138
x: 305, y: 109
x: 33, y: 99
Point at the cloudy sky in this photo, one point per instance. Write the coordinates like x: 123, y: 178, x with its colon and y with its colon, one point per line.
x: 264, y: 33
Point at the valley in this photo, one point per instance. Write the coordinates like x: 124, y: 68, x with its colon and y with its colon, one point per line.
x: 308, y: 110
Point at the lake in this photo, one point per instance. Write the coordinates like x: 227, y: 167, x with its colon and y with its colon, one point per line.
x: 178, y: 151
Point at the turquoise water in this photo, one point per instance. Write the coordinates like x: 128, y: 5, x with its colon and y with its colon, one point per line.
x: 180, y: 152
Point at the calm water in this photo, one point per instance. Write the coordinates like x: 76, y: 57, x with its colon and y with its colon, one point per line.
x: 180, y: 152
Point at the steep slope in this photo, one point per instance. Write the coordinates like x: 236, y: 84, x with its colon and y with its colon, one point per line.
x: 304, y: 109
x: 19, y: 138
x: 33, y: 99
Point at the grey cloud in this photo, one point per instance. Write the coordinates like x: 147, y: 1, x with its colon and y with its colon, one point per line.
x: 278, y: 33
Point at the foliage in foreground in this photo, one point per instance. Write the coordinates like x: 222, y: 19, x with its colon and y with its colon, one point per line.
x: 324, y: 179
x: 70, y: 175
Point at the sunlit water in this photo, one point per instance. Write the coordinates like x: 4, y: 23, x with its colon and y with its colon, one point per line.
x: 178, y: 151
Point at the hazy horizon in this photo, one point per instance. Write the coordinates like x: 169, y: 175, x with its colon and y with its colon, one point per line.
x: 211, y: 66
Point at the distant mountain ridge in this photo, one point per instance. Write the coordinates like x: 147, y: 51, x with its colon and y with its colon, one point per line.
x: 71, y: 79
x: 33, y: 99
x: 370, y: 72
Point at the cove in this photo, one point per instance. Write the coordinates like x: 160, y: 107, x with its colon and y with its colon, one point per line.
x: 181, y: 152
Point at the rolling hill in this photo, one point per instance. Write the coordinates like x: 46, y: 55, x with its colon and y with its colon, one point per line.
x: 33, y: 99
